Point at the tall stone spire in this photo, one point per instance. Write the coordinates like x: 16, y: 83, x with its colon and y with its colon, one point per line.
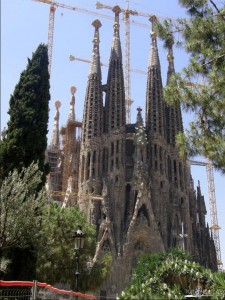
x: 90, y: 172
x: 155, y: 107
x: 93, y: 109
x: 70, y: 150
x: 173, y: 113
x: 72, y: 104
x: 54, y: 144
x: 115, y: 115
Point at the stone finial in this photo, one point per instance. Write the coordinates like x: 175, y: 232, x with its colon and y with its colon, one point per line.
x: 73, y: 90
x: 139, y: 109
x: 97, y: 24
x: 57, y: 104
x: 117, y: 10
x: 153, y: 20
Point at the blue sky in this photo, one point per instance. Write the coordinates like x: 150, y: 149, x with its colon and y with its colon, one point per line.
x: 24, y: 25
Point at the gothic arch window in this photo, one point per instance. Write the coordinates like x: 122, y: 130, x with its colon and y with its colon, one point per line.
x: 88, y: 165
x: 175, y: 167
x: 156, y: 165
x: 142, y: 215
x: 127, y: 201
x: 177, y: 222
x: 160, y: 153
x: 169, y: 169
x: 181, y: 200
x: 139, y: 246
x: 106, y: 246
x: 155, y: 150
x: 117, y: 146
x: 94, y: 156
x: 112, y: 148
x: 174, y: 241
x: 128, y: 188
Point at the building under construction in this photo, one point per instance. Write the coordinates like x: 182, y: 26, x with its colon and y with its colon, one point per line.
x: 128, y: 178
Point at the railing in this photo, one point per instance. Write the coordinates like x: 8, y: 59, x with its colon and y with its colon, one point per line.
x: 33, y: 290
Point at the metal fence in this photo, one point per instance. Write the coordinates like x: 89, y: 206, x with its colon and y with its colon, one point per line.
x: 33, y: 290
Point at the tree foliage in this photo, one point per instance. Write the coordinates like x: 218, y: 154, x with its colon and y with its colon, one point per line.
x: 20, y: 216
x: 171, y: 276
x: 36, y: 237
x: 56, y: 255
x: 26, y: 136
x: 202, y: 35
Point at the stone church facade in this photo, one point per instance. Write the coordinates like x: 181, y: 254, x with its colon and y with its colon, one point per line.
x: 129, y: 178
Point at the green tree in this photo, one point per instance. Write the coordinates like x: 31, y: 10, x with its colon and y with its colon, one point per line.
x: 56, y: 255
x: 202, y: 35
x: 26, y: 135
x: 168, y: 276
x: 218, y: 286
x: 36, y: 237
x: 20, y: 217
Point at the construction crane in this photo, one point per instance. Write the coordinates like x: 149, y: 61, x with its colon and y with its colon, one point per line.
x: 72, y: 57
x: 127, y: 12
x: 212, y: 207
x: 53, y: 6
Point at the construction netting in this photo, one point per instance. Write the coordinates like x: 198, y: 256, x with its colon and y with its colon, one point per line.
x: 33, y: 290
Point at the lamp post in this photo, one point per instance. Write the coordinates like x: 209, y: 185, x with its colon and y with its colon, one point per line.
x: 79, y: 244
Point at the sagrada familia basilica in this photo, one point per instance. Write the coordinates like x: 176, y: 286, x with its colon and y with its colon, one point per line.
x: 128, y: 178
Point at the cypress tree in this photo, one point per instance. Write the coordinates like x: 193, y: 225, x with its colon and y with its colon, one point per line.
x: 26, y: 135
x: 25, y: 142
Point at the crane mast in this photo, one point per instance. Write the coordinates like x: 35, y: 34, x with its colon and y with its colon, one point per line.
x: 50, y: 36
x: 53, y: 5
x: 213, y: 212
x: 127, y: 62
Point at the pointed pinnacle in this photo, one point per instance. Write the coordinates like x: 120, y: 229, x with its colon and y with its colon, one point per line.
x: 73, y: 90
x: 97, y: 24
x: 117, y: 10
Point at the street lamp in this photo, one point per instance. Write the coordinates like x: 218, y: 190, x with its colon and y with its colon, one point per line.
x: 79, y: 244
